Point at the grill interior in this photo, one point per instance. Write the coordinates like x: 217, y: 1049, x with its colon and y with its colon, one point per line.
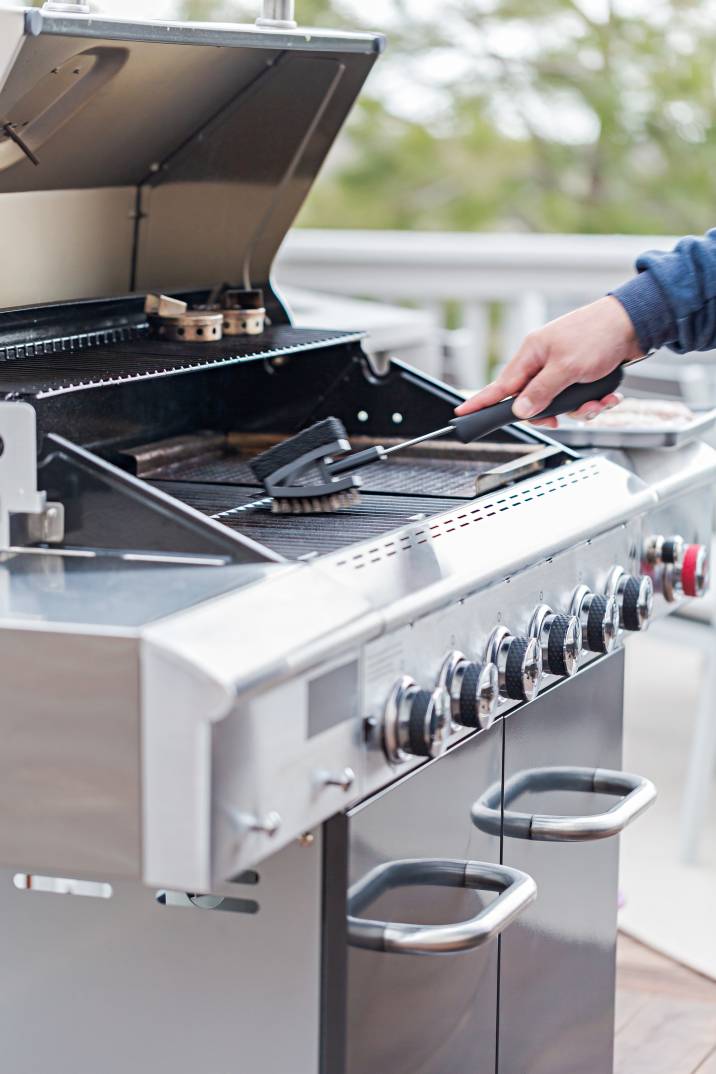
x: 210, y: 473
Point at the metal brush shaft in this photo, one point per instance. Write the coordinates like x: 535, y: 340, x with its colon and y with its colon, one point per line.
x: 375, y: 454
x: 483, y: 422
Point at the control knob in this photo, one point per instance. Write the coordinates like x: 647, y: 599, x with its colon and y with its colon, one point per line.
x: 659, y: 549
x: 598, y: 618
x: 474, y: 690
x: 416, y: 722
x: 519, y: 664
x: 685, y: 566
x: 559, y: 638
x: 634, y: 595
x: 694, y: 571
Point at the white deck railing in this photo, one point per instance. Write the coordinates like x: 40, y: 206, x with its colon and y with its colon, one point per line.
x: 493, y: 287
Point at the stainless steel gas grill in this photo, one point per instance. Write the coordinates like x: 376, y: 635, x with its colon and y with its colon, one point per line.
x: 327, y: 784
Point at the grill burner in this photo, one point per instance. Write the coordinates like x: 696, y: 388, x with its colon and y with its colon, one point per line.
x: 302, y: 536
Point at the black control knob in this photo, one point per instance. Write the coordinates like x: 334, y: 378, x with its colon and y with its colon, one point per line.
x: 659, y: 550
x: 598, y: 618
x: 519, y: 664
x: 416, y: 722
x: 560, y: 639
x: 635, y: 597
x: 422, y: 724
x: 474, y: 690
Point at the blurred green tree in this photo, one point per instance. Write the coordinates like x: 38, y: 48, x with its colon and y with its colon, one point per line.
x: 545, y: 115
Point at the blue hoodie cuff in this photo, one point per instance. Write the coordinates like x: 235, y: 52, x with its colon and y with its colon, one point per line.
x: 648, y: 310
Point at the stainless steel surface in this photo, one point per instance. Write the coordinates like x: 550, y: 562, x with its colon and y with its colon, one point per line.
x: 184, y: 97
x: 137, y: 982
x: 564, y: 945
x: 425, y: 816
x: 516, y: 892
x: 581, y: 434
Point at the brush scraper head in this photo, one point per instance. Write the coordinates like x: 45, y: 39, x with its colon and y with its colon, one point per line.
x: 295, y: 473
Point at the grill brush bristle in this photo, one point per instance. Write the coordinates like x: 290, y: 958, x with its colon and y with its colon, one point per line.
x: 316, y: 505
x: 295, y: 473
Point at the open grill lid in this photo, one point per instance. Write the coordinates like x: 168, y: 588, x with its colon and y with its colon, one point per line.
x: 148, y: 156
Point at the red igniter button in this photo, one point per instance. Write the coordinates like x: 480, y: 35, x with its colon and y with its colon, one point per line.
x: 695, y: 571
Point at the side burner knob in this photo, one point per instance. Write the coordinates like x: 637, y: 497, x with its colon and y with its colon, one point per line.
x: 416, y: 722
x: 598, y: 618
x: 519, y: 664
x: 694, y: 571
x: 635, y: 597
x: 474, y: 690
x: 560, y: 640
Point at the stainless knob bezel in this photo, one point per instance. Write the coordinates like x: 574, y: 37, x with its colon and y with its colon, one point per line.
x: 396, y: 722
x: 541, y: 623
x: 496, y: 652
x: 616, y: 584
x: 451, y: 677
x: 580, y: 606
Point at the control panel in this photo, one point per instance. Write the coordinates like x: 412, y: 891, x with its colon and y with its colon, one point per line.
x: 420, y: 688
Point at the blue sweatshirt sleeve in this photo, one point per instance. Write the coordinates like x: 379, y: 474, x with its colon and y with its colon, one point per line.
x: 672, y: 300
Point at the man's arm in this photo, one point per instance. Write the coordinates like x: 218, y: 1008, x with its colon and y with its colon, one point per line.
x: 671, y: 301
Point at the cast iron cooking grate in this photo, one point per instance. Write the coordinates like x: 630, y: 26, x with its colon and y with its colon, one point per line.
x: 297, y: 536
x: 55, y: 366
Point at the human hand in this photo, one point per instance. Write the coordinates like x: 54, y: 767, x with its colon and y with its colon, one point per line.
x: 578, y: 348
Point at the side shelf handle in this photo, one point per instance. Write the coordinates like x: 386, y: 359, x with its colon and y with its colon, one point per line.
x: 516, y: 891
x: 635, y: 795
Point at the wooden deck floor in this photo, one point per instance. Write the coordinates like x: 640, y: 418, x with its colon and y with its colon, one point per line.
x: 666, y: 1015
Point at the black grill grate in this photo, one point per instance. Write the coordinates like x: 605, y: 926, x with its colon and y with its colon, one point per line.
x: 46, y: 373
x: 297, y: 536
x: 407, y: 477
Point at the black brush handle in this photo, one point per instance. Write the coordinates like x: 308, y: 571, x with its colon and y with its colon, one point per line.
x: 474, y: 426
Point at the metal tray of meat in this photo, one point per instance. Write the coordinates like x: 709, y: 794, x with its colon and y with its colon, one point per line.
x: 581, y: 434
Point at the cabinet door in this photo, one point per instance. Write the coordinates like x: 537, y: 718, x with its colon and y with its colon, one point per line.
x: 422, y: 1014
x: 558, y: 960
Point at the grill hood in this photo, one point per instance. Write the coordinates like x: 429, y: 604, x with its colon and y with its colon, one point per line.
x: 169, y: 156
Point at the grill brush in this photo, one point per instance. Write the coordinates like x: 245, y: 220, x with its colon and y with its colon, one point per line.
x: 283, y: 467
x: 303, y: 478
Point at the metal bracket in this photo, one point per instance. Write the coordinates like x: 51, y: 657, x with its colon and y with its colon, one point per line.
x: 25, y: 515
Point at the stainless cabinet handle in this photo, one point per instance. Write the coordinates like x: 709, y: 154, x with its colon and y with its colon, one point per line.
x: 636, y: 795
x: 517, y: 890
